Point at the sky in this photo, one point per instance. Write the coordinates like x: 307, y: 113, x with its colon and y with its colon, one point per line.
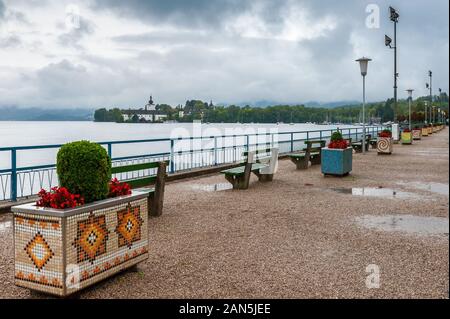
x: 114, y: 53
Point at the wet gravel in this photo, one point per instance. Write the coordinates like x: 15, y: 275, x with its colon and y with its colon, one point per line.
x: 292, y: 238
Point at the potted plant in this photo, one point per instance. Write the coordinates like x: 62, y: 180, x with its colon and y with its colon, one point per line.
x: 425, y: 130
x: 417, y: 133
x: 337, y: 157
x: 85, y: 230
x: 407, y: 136
x: 385, y: 142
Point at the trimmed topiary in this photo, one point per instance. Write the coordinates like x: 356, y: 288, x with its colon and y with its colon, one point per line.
x: 84, y: 168
x: 336, y: 136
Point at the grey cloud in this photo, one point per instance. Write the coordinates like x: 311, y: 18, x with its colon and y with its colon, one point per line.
x: 190, y: 52
x: 75, y: 34
x: 2, y: 10
x: 192, y: 13
x: 12, y: 41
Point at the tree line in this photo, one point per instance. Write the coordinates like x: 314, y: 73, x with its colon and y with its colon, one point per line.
x: 207, y: 112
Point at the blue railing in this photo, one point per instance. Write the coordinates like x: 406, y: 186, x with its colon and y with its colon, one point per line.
x: 23, y: 181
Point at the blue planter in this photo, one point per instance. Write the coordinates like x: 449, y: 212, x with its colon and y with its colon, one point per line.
x: 336, y: 162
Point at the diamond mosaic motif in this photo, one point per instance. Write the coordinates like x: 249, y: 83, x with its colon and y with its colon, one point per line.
x: 39, y: 251
x: 129, y: 224
x: 92, y: 235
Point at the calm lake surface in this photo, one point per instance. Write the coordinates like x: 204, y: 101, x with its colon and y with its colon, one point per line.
x: 44, y: 133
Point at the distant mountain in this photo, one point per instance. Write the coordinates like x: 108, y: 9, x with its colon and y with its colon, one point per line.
x: 265, y: 103
x: 331, y: 105
x: 11, y: 113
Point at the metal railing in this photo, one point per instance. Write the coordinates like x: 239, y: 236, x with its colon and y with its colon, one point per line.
x: 23, y: 181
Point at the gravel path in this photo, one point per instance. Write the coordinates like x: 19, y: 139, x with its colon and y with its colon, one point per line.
x: 293, y: 238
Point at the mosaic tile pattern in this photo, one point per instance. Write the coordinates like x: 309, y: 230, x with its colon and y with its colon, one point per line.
x: 38, y: 252
x: 63, y: 255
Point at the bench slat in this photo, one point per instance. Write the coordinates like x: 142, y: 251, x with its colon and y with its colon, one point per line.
x: 240, y: 169
x: 134, y: 167
x: 141, y: 182
x: 260, y: 151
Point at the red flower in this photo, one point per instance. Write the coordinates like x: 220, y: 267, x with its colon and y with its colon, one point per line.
x: 117, y: 188
x: 338, y: 144
x: 59, y: 198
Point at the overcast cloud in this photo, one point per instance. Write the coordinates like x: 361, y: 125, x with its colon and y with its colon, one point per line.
x: 115, y: 53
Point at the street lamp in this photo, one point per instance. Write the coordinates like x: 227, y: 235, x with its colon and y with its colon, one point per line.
x: 440, y: 102
x: 426, y: 111
x: 430, y: 86
x: 387, y: 41
x: 363, y: 64
x: 410, y: 91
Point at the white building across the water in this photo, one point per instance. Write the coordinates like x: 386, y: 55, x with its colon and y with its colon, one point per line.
x: 148, y: 113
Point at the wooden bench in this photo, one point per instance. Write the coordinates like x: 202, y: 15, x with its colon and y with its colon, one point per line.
x: 313, y: 154
x: 156, y: 194
x: 263, y: 163
x: 357, y: 146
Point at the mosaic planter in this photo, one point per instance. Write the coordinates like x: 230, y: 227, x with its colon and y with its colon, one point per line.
x: 424, y: 131
x: 407, y: 138
x: 336, y: 161
x: 384, y: 145
x: 417, y: 134
x: 60, y: 252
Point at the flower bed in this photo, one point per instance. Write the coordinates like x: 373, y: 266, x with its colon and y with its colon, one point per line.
x: 406, y: 137
x: 385, y: 142
x: 417, y: 133
x: 84, y: 231
x: 337, y: 157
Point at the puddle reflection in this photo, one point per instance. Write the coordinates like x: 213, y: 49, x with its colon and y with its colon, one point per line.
x: 212, y: 187
x: 406, y: 223
x: 376, y: 192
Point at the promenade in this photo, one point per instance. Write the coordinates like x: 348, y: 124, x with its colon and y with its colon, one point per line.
x: 301, y: 236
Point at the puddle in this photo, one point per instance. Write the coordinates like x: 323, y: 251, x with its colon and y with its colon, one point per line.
x: 438, y: 188
x: 4, y: 226
x: 212, y: 187
x: 406, y: 223
x: 376, y: 192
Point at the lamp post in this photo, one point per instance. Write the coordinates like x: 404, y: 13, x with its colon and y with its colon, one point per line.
x: 426, y: 111
x: 410, y: 91
x: 387, y: 41
x: 440, y: 104
x: 430, y: 86
x: 363, y: 63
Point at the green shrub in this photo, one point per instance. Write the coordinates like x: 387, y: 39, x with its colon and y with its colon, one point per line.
x: 84, y: 168
x: 336, y: 136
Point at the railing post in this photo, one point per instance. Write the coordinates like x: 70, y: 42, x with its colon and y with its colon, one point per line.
x: 292, y: 142
x: 172, y: 164
x: 110, y: 150
x: 215, y: 150
x: 13, y: 175
x: 248, y: 143
x: 320, y: 134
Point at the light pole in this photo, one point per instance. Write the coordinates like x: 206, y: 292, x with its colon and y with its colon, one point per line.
x: 363, y: 63
x: 410, y: 91
x: 426, y: 111
x: 430, y: 87
x: 440, y: 104
x: 387, y: 41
